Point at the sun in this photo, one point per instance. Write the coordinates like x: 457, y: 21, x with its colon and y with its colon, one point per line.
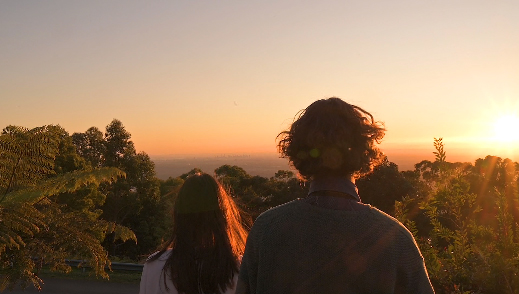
x: 506, y: 128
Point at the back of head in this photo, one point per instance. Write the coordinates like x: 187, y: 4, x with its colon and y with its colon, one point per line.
x: 207, y: 237
x: 199, y: 193
x: 332, y: 138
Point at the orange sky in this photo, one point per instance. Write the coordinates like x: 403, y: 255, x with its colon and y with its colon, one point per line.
x: 192, y: 77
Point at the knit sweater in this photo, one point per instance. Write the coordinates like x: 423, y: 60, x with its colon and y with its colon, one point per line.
x: 301, y: 248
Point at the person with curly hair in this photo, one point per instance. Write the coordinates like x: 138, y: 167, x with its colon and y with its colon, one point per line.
x: 331, y: 242
x: 205, y: 245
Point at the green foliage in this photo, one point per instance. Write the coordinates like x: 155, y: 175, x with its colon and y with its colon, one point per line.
x: 255, y: 194
x: 232, y: 177
x: 449, y: 211
x: 25, y: 156
x: 284, y: 175
x: 64, y: 183
x: 384, y: 186
x: 78, y: 196
x: 171, y: 185
x: 470, y: 242
x: 133, y: 201
x: 90, y: 145
x: 35, y: 229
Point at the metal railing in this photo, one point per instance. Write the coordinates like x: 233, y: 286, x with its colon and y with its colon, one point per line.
x: 116, y: 266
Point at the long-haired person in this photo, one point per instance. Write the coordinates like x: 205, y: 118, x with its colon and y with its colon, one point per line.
x: 331, y: 242
x: 207, y: 240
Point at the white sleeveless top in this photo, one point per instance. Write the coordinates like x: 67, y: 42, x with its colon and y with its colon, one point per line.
x: 152, y: 279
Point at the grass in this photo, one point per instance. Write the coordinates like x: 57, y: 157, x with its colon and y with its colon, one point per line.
x: 87, y: 274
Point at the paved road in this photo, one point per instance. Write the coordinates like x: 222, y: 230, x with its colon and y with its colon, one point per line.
x: 68, y: 286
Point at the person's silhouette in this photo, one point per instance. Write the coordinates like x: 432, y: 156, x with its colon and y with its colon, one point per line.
x: 330, y: 242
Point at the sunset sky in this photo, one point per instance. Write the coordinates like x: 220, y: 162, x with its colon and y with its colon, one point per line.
x: 225, y: 77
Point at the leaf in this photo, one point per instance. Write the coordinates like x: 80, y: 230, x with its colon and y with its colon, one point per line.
x: 64, y: 183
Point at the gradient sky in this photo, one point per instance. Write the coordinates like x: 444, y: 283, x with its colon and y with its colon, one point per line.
x: 223, y: 77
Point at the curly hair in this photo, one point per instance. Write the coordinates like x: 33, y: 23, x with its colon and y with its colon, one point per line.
x: 332, y: 137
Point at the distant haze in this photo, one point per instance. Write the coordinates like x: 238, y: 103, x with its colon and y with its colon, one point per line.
x: 266, y: 165
x: 256, y: 165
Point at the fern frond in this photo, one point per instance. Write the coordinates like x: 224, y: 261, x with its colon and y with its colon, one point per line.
x: 26, y: 156
x: 64, y: 183
x: 32, y: 224
x: 121, y: 232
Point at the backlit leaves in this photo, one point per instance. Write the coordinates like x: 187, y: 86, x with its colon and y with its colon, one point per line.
x: 34, y: 229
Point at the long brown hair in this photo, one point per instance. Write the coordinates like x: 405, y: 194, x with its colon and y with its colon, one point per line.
x: 207, y: 238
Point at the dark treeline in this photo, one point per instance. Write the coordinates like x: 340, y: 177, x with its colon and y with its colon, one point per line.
x: 91, y: 196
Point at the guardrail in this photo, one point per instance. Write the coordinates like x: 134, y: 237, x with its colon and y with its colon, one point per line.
x: 116, y: 266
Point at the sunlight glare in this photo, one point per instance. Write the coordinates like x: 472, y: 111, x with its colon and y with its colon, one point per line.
x: 506, y: 129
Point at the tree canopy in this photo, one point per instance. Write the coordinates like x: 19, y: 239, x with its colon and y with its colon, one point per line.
x: 34, y: 228
x: 83, y: 195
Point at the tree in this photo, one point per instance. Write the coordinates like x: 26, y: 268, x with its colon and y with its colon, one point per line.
x: 132, y: 201
x: 117, y: 143
x: 91, y: 146
x: 232, y: 177
x: 35, y: 229
x: 26, y: 156
x: 472, y: 242
x: 231, y: 171
x: 384, y: 186
x: 255, y: 194
x: 284, y: 175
